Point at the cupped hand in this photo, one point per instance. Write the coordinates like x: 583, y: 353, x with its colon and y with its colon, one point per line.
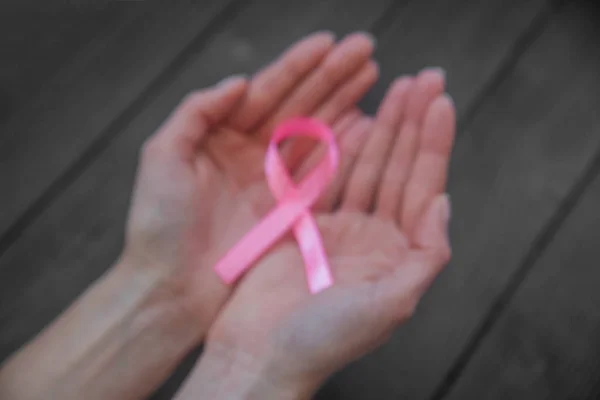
x: 384, y: 225
x: 200, y: 184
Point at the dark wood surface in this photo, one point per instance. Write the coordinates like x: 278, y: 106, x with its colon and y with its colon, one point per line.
x: 37, y: 41
x: 546, y: 341
x: 86, y: 104
x: 522, y: 73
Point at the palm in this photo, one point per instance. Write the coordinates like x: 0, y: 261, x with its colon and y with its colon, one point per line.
x: 355, y: 240
x: 279, y: 285
x: 233, y: 191
x: 371, y: 253
x: 200, y: 190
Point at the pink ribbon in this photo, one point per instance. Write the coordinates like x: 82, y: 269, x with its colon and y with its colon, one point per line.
x: 292, y: 211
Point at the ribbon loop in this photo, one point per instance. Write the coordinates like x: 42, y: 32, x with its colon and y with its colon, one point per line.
x: 292, y: 211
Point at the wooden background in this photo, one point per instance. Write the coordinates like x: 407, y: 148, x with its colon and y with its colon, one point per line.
x: 516, y: 315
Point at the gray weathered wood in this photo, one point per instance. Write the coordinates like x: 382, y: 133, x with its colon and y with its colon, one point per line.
x: 546, y: 342
x: 513, y: 165
x: 37, y: 39
x: 88, y: 101
x: 470, y: 39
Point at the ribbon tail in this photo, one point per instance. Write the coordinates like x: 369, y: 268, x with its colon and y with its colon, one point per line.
x: 318, y: 271
x: 256, y: 242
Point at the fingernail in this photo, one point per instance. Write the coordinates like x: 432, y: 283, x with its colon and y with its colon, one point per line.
x: 327, y: 33
x: 370, y: 37
x: 449, y: 98
x: 402, y: 81
x: 375, y: 65
x: 438, y: 70
x: 232, y: 80
x: 445, y: 209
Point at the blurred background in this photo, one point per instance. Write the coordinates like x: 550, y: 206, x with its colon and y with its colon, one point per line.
x: 516, y: 315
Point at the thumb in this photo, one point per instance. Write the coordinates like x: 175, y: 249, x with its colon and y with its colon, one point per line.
x: 430, y: 253
x: 432, y: 232
x: 198, y: 112
x: 433, y: 250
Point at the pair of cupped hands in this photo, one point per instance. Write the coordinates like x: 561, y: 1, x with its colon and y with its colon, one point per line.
x: 383, y: 219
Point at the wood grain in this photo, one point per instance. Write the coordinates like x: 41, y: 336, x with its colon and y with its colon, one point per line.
x: 38, y: 39
x: 83, y: 106
x: 469, y: 39
x: 545, y: 343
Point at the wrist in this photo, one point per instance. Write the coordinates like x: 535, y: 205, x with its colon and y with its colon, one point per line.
x: 225, y: 373
x: 163, y: 306
x: 119, y: 337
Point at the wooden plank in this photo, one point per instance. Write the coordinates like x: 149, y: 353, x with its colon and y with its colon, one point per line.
x: 36, y: 41
x: 512, y: 167
x: 545, y: 343
x: 79, y: 110
x: 468, y: 38
x: 77, y: 237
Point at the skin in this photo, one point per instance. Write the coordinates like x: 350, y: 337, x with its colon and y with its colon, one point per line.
x: 384, y: 245
x: 200, y: 187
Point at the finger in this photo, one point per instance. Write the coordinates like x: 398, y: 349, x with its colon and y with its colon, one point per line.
x: 403, y: 290
x: 187, y: 126
x: 364, y: 180
x: 429, y: 174
x: 431, y: 240
x: 428, y: 85
x: 349, y: 93
x: 341, y: 64
x: 345, y: 97
x: 346, y: 121
x: 351, y: 143
x: 271, y: 85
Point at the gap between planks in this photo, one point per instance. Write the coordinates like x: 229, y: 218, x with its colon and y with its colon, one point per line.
x: 548, y: 231
x: 89, y: 154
